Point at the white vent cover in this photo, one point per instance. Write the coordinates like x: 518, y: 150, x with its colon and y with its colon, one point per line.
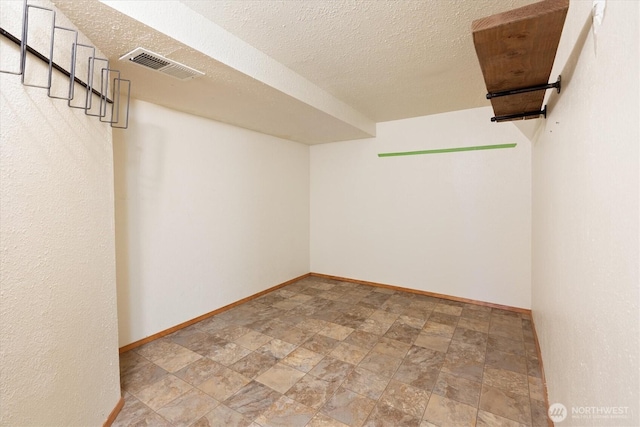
x: 152, y: 60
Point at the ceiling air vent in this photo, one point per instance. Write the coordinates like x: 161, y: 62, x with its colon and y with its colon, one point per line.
x: 152, y: 60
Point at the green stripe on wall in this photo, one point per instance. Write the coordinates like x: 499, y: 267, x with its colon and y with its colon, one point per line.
x: 447, y: 150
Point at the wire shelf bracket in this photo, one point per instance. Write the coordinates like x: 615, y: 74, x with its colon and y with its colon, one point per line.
x: 557, y: 85
x: 110, y: 80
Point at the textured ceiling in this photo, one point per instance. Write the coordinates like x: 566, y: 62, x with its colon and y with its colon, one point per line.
x: 311, y: 71
x: 388, y: 59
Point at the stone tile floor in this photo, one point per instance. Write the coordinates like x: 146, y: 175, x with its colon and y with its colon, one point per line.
x: 321, y: 352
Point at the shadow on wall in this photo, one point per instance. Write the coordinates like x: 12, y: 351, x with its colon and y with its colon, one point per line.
x: 532, y: 128
x: 570, y: 65
x: 138, y: 176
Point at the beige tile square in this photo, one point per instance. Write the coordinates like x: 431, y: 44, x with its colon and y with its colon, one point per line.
x: 374, y: 326
x: 448, y: 309
x: 382, y: 290
x: 320, y: 344
x: 349, y: 320
x: 362, y: 339
x: 142, y: 376
x: 402, y: 332
x: 405, y: 398
x: 478, y: 312
x: 286, y: 412
x: 348, y: 407
x: 539, y: 416
x: 199, y: 371
x: 458, y: 388
x: 312, y: 391
x: 277, y: 348
x: 414, y: 322
x: 348, y: 353
x: 162, y: 392
x: 474, y: 324
x: 252, y: 400
x: 211, y: 325
x: 505, y: 404
x: 253, y: 340
x: 360, y: 311
x: 168, y: 355
x: 222, y: 415
x: 157, y: 349
x: 536, y: 389
x: 443, y: 318
x: 286, y: 304
x: 487, y: 419
x: 301, y: 298
x: 366, y: 383
x: 384, y: 316
x: 323, y: 286
x: 506, y: 380
x: 469, y: 336
x: 296, y: 336
x: 438, y: 329
x: 384, y: 415
x: 501, y: 360
x: 322, y: 420
x: 228, y: 354
x: 506, y: 345
x: 232, y: 333
x: 280, y: 377
x: 381, y: 363
x: 333, y: 296
x: 510, y: 331
x: 302, y: 359
x: 133, y: 411
x: 433, y: 342
x: 254, y: 364
x: 330, y: 369
x: 188, y: 408
x: 223, y: 384
x: 420, y: 368
x: 335, y: 331
x: 150, y: 420
x: 131, y: 360
x: 312, y: 325
x: 446, y: 412
x: 391, y: 347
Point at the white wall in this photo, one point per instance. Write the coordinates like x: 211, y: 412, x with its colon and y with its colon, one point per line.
x: 585, y: 218
x: 453, y: 223
x: 206, y: 214
x: 58, y: 325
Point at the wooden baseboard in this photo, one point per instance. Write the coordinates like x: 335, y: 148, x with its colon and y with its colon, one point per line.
x: 114, y: 413
x: 426, y: 293
x: 544, y: 380
x: 173, y: 329
x: 206, y: 315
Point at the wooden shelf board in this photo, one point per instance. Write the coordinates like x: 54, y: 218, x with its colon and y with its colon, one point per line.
x: 516, y: 49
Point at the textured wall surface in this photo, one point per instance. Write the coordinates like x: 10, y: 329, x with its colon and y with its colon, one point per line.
x: 58, y: 325
x: 206, y: 214
x: 585, y: 220
x: 455, y: 223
